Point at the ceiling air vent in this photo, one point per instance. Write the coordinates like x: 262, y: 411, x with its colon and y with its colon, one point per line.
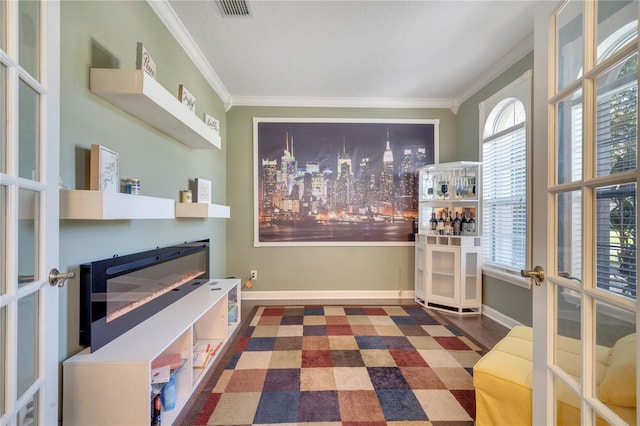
x: 234, y: 8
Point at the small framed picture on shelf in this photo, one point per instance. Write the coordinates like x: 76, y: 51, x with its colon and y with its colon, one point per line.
x: 202, y: 191
x: 104, y: 169
x: 187, y: 98
x: 144, y: 61
x: 212, y: 123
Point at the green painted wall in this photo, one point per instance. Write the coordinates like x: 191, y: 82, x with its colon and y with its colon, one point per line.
x: 103, y: 34
x: 312, y: 268
x: 90, y: 39
x: 509, y: 299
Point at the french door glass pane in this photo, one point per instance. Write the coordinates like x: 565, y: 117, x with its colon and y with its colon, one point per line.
x: 616, y: 231
x: 28, y: 415
x: 567, y: 405
x: 568, y: 348
x: 569, y: 237
x: 617, y: 118
x: 29, y: 117
x: 3, y: 239
x: 27, y: 237
x: 617, y: 25
x: 27, y: 357
x: 29, y: 36
x: 3, y: 356
x: 569, y: 39
x: 3, y: 116
x: 615, y: 345
x: 3, y: 25
x: 569, y: 139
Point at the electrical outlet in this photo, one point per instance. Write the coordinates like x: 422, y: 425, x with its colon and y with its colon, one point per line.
x: 254, y: 275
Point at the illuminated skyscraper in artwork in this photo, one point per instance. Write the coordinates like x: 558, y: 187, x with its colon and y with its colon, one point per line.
x: 287, y: 168
x: 344, y: 157
x: 387, y: 187
x: 269, y: 183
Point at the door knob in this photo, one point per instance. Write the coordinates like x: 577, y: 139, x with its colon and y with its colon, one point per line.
x: 58, y: 278
x: 536, y: 273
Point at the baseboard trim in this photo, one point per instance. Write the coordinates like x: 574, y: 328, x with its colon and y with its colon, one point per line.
x: 499, y: 317
x: 328, y: 295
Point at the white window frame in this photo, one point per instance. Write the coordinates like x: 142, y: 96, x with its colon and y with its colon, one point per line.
x: 519, y: 89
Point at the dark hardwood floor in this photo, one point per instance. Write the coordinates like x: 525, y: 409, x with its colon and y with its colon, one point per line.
x: 484, y: 330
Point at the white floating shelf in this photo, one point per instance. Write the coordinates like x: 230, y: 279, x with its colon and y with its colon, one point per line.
x: 139, y: 94
x: 98, y: 205
x: 200, y: 210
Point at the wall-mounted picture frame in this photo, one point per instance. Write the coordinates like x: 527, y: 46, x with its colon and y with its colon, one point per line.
x: 187, y: 98
x: 202, y: 193
x: 104, y: 169
x: 332, y: 182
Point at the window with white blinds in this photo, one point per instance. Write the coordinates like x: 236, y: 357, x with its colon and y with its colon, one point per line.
x: 616, y: 152
x: 505, y: 182
x: 504, y: 198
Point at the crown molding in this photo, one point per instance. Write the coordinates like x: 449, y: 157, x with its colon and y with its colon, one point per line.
x: 168, y: 16
x: 506, y: 62
x: 295, y: 101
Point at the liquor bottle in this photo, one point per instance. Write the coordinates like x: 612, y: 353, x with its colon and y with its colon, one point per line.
x: 156, y: 411
x: 471, y: 224
x: 456, y: 224
x: 464, y: 225
x: 434, y: 223
x: 441, y: 225
x: 448, y: 225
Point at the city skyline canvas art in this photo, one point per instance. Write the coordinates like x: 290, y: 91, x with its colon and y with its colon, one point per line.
x: 340, y: 181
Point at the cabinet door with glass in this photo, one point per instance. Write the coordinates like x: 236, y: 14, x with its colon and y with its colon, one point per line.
x: 443, y: 262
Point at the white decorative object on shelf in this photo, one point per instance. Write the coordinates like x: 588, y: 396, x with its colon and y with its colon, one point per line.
x: 202, y: 192
x: 104, y: 169
x: 187, y: 98
x: 200, y: 210
x: 140, y: 95
x: 212, y: 122
x: 98, y: 205
x: 144, y: 61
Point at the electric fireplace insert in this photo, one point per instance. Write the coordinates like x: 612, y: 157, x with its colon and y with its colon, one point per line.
x: 118, y: 293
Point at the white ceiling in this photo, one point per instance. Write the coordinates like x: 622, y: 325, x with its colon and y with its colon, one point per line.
x: 352, y: 53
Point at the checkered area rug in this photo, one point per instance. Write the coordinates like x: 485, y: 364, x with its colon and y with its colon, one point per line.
x: 346, y: 365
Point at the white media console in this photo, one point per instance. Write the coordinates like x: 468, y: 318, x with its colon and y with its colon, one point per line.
x: 112, y: 386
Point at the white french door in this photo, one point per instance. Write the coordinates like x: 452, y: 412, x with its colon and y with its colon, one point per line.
x: 586, y: 178
x: 29, y: 170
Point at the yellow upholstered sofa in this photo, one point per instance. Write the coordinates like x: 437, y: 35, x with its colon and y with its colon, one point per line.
x: 502, y: 380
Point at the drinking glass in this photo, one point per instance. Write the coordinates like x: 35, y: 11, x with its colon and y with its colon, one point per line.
x: 444, y: 187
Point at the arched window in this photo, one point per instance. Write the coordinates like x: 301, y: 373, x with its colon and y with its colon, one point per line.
x: 505, y: 186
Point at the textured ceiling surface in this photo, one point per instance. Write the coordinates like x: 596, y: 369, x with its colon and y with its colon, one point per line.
x: 375, y: 50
